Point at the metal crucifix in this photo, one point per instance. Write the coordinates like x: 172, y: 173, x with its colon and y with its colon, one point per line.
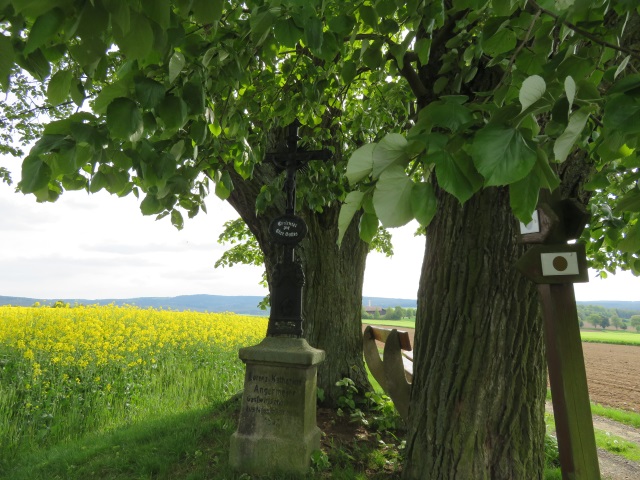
x: 288, y: 230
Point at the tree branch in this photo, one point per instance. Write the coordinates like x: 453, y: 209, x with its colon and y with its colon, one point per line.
x: 586, y: 34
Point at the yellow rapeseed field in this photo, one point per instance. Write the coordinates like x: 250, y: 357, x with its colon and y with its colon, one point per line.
x: 73, y: 370
x: 97, y: 336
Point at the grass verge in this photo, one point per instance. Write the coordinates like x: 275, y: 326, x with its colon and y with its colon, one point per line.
x: 621, y: 416
x: 616, y: 338
x: 392, y: 323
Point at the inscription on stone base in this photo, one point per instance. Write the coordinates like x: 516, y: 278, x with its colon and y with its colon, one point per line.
x: 277, y: 428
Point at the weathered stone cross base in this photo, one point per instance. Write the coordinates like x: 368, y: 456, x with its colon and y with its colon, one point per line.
x: 277, y: 429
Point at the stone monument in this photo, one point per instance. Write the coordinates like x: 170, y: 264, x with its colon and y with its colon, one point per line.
x: 277, y: 428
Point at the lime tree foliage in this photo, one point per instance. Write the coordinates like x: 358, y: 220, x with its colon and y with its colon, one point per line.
x: 567, y: 83
x: 172, y: 100
x: 456, y: 113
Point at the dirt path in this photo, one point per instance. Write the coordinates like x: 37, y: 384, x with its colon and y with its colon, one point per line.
x: 614, y: 467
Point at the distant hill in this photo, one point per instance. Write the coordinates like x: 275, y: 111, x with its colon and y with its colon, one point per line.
x: 246, y: 305
x: 616, y: 304
x: 389, y: 302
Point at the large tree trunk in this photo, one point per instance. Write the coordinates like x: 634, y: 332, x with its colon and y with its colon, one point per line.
x: 477, y: 404
x: 332, y: 300
x: 332, y: 296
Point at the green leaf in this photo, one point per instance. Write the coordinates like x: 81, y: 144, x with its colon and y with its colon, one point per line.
x: 502, y: 155
x: 502, y: 41
x: 224, y: 186
x: 177, y: 220
x: 630, y: 202
x: 372, y: 57
x: 36, y: 64
x: 570, y: 89
x: 287, y: 32
x: 342, y: 24
x: 59, y: 86
x: 391, y: 150
x: 564, y: 143
x: 351, y: 205
x: 121, y: 14
x: 313, y: 33
x: 194, y: 96
x: 77, y: 93
x: 158, y: 10
x: 108, y: 94
x: 622, y: 66
x: 349, y: 71
x: 173, y: 112
x: 423, y: 48
x: 176, y: 64
x: 523, y: 197
x: 198, y: 132
x: 124, y: 119
x: 360, y: 165
x: 137, y: 43
x: 150, y: 205
x: 207, y: 11
x: 368, y: 227
x: 261, y: 24
x: 547, y: 177
x: 456, y: 174
x: 449, y: 115
x: 621, y: 114
x: 149, y: 92
x: 368, y: 15
x: 423, y: 203
x: 98, y: 182
x: 35, y: 174
x: 117, y: 182
x: 532, y: 90
x: 392, y: 197
x: 7, y: 60
x: 631, y: 241
x: 630, y: 82
x: 43, y: 29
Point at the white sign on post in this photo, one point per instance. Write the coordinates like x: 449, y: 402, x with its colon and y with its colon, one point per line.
x: 561, y: 263
x: 533, y: 226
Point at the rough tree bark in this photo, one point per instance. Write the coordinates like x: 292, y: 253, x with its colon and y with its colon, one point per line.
x: 332, y: 296
x: 477, y: 404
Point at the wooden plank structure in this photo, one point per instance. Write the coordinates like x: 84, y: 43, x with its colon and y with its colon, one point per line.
x: 397, y: 359
x: 555, y: 266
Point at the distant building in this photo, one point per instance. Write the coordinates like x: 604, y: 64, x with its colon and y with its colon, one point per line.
x: 371, y: 310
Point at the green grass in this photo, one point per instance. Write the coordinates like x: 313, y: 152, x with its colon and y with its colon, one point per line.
x: 617, y: 445
x: 615, y: 337
x: 621, y: 416
x: 605, y: 440
x: 391, y: 323
x: 184, y: 446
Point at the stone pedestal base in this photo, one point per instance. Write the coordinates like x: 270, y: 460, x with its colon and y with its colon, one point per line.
x: 277, y: 428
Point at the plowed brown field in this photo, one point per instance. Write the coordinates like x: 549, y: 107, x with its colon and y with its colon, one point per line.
x: 613, y: 373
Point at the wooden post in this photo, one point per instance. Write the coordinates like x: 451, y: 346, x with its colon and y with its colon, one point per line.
x: 568, y: 378
x: 555, y: 266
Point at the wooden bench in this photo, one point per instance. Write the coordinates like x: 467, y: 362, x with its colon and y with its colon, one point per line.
x: 394, y: 371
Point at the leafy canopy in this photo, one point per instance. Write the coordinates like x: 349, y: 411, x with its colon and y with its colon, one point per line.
x: 169, y: 96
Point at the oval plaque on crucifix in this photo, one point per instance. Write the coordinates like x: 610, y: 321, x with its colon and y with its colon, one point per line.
x: 288, y: 229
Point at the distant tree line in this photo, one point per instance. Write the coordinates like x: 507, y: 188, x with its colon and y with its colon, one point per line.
x: 391, y: 313
x: 602, y: 317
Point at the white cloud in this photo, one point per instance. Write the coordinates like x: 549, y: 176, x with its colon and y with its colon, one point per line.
x: 101, y: 246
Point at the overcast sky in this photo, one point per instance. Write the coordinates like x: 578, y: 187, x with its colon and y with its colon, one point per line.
x: 100, y: 246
